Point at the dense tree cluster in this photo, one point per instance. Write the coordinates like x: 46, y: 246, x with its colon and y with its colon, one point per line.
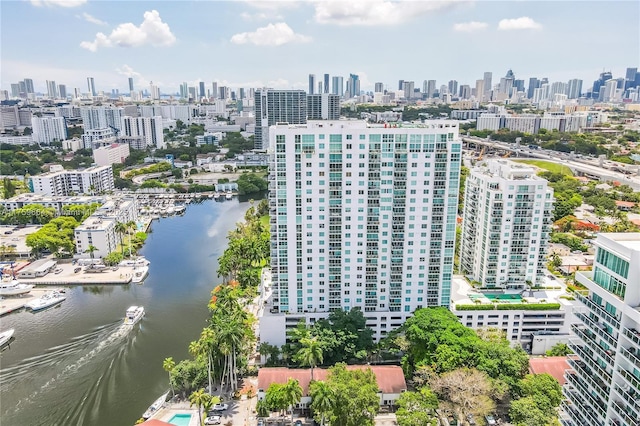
x: 249, y: 183
x: 56, y: 236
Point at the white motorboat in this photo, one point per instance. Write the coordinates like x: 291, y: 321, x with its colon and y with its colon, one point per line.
x: 229, y: 195
x: 12, y: 287
x: 133, y: 315
x: 157, y: 404
x: 47, y: 300
x: 216, y: 195
x: 5, y: 336
x: 138, y: 261
x: 139, y: 274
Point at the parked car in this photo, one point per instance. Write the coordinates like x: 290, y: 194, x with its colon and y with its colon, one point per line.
x: 220, y: 407
x: 490, y: 420
x: 298, y: 422
x: 57, y: 270
x: 212, y: 420
x: 260, y: 422
x: 75, y: 271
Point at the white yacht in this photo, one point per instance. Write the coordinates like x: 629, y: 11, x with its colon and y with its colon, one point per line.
x: 139, y: 274
x: 12, y: 287
x: 47, y: 300
x: 216, y: 195
x: 133, y: 315
x: 229, y: 195
x: 157, y: 404
x: 5, y: 336
x: 138, y: 261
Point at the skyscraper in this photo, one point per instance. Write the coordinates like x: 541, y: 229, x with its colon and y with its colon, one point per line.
x: 630, y: 77
x: 130, y: 84
x: 49, y: 129
x: 29, y: 85
x: 465, y: 91
x: 91, y: 85
x: 52, y: 89
x: 506, y: 225
x: 214, y: 90
x: 312, y: 83
x: 487, y: 86
x: 534, y: 83
x: 353, y: 85
x: 102, y: 118
x: 326, y: 83
x: 431, y: 88
x: 337, y: 85
x: 378, y: 88
x: 408, y: 87
x: 184, y: 90
x: 351, y: 226
x: 479, y: 89
x: 202, y: 91
x: 323, y: 106
x: 603, y: 383
x: 453, y: 87
x: 62, y: 91
x: 400, y: 84
x: 275, y: 106
x: 574, y: 88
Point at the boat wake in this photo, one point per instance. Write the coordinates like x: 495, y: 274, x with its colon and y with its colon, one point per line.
x: 63, y: 366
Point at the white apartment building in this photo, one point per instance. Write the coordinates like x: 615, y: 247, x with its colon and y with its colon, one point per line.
x: 493, y: 122
x: 506, y: 225
x: 603, y: 384
x: 149, y: 128
x: 58, y: 203
x: 102, y: 118
x: 94, y: 138
x: 112, y: 154
x: 17, y: 140
x: 95, y: 179
x: 49, y: 129
x: 362, y: 216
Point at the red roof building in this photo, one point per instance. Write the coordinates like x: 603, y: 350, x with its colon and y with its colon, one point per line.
x: 553, y: 365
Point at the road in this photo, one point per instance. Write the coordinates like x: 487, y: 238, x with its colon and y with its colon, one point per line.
x: 590, y: 166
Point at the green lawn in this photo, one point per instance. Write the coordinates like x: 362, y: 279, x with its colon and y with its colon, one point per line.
x: 550, y: 166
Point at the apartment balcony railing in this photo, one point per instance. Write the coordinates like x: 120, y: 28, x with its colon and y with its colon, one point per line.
x: 632, y: 399
x: 631, y: 355
x: 597, y: 328
x: 588, y: 410
x: 593, y: 345
x: 598, y: 309
x: 630, y: 378
x: 602, y: 374
x: 632, y: 334
x: 598, y: 407
x: 599, y: 386
x: 622, y: 411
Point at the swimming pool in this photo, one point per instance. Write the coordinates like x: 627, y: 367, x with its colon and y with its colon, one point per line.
x: 180, y: 419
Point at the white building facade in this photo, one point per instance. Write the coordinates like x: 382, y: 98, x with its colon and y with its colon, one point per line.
x: 93, y: 180
x: 362, y: 216
x: 113, y: 154
x: 49, y: 129
x: 148, y: 128
x: 506, y: 225
x: 603, y: 385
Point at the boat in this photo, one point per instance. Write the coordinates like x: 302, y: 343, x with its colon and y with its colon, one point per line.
x: 216, y: 195
x: 5, y: 336
x: 157, y: 404
x: 137, y: 262
x: 12, y: 287
x: 47, y: 300
x: 180, y: 209
x: 133, y: 315
x: 229, y: 195
x: 139, y: 274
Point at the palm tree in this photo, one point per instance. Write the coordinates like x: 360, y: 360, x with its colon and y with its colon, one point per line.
x: 292, y: 394
x: 121, y: 229
x: 90, y: 250
x: 322, y: 399
x: 200, y: 398
x: 131, y: 226
x: 207, y: 343
x: 310, y: 353
x: 168, y: 365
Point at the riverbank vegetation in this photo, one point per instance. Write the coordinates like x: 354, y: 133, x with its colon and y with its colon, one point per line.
x: 220, y: 355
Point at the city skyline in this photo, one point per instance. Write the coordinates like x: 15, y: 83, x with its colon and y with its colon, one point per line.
x: 157, y: 41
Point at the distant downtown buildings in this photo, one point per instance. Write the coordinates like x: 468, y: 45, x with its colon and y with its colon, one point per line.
x: 603, y: 384
x: 362, y: 216
x: 277, y: 106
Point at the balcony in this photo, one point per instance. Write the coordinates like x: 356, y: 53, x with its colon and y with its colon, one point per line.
x: 598, y: 310
x: 598, y: 385
x: 597, y: 406
x: 583, y: 409
x: 631, y: 398
x: 626, y: 415
x: 632, y: 334
x: 631, y: 355
x: 607, y: 355
x: 597, y: 328
x: 602, y: 374
x: 630, y: 378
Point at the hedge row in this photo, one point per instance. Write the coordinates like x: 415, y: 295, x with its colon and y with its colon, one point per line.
x: 511, y: 307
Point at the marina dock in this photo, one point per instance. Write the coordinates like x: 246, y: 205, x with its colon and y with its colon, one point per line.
x: 15, y: 303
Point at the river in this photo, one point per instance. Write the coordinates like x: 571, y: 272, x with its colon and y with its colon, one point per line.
x: 75, y: 364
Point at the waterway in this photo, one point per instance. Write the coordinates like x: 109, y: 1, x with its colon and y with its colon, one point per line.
x: 76, y: 364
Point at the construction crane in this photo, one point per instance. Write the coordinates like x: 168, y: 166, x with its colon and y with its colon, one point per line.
x: 484, y: 148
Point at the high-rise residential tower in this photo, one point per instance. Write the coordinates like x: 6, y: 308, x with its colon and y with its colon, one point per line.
x: 603, y: 384
x: 202, y: 93
x: 52, y: 89
x: 337, y: 85
x: 130, y: 84
x: 353, y: 85
x: 487, y: 86
x: 91, y: 86
x: 506, y: 225
x: 326, y: 83
x: 362, y: 216
x: 312, y: 83
x: 574, y: 88
x: 277, y: 106
x: 378, y: 88
x: 534, y: 83
x: 323, y: 106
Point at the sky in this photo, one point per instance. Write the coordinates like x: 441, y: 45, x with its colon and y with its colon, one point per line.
x: 256, y: 43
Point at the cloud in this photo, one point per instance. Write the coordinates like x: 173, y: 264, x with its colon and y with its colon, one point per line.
x: 376, y: 12
x: 261, y: 16
x: 271, y: 35
x: 469, y: 27
x: 91, y: 19
x: 61, y: 3
x: 151, y: 31
x: 522, y: 23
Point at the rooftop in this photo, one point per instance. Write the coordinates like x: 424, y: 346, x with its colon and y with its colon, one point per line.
x: 555, y: 366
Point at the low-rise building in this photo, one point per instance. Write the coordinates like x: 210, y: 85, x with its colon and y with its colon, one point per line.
x: 95, y: 179
x: 56, y: 202
x: 112, y: 154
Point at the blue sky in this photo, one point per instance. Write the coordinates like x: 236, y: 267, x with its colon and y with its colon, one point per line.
x: 278, y: 43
